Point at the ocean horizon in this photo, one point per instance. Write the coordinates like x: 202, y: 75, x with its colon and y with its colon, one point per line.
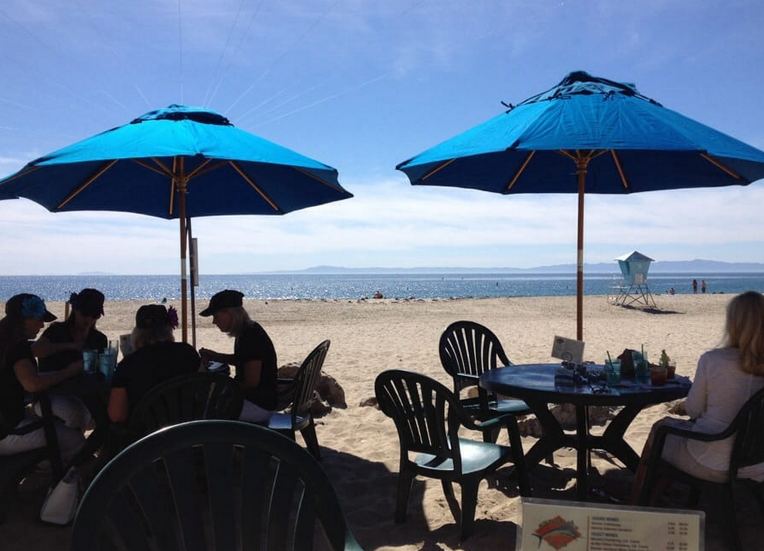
x: 359, y: 285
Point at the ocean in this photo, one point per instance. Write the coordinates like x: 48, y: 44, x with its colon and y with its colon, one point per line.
x: 354, y: 286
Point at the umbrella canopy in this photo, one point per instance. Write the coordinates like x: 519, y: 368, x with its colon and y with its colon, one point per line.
x: 176, y: 162
x: 587, y: 135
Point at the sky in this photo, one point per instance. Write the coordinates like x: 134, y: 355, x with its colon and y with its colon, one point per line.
x: 362, y: 85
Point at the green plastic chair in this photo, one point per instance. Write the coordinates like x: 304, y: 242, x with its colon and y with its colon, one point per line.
x: 206, y: 485
x: 427, y: 416
x: 467, y: 350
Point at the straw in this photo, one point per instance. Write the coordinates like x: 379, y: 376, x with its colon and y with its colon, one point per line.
x: 609, y: 359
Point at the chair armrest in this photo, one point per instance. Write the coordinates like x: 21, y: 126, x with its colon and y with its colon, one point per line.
x: 659, y: 439
x: 285, y: 380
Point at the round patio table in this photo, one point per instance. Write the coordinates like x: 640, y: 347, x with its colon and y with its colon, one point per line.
x: 535, y: 384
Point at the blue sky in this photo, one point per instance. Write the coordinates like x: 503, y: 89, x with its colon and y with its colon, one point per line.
x: 361, y: 86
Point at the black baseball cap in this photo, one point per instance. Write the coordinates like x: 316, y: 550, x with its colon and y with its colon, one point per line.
x: 223, y: 299
x: 151, y: 315
x: 28, y: 306
x: 88, y: 302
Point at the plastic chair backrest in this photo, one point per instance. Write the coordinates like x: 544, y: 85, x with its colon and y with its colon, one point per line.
x: 468, y: 348
x: 426, y: 413
x: 306, y: 380
x: 748, y: 448
x: 210, y: 485
x: 186, y: 398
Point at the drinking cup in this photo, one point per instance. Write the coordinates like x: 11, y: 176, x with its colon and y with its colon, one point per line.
x: 658, y: 376
x: 671, y: 370
x: 89, y: 361
x: 107, y: 361
x: 614, y: 373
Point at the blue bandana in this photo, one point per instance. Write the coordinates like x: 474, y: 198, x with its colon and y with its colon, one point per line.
x: 33, y: 307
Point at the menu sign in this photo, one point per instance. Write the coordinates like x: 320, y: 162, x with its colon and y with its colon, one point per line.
x: 571, y: 526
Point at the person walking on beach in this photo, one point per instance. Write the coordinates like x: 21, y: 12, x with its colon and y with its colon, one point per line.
x: 694, y: 286
x: 25, y: 315
x: 725, y: 379
x: 254, y: 356
x: 61, y: 345
x: 703, y: 286
x: 156, y: 358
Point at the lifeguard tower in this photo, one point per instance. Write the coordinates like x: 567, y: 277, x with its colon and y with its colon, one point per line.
x: 634, y: 267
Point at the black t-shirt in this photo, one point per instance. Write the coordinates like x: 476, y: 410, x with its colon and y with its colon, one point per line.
x: 11, y: 391
x: 255, y: 344
x: 61, y: 332
x: 155, y: 363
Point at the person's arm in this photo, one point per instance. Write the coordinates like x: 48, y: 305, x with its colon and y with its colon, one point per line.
x: 208, y: 355
x: 118, y: 405
x: 252, y: 371
x: 32, y: 381
x: 696, y: 402
x: 42, y: 347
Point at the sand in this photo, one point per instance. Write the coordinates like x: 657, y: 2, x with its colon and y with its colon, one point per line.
x: 360, y: 445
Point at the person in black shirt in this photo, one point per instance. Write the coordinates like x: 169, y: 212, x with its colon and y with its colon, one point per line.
x: 254, y: 356
x: 157, y: 358
x: 61, y: 345
x: 25, y: 315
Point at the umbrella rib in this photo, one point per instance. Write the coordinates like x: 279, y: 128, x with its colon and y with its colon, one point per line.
x: 618, y: 167
x: 721, y: 167
x: 206, y: 167
x: 151, y: 168
x: 316, y: 178
x: 568, y: 155
x: 520, y: 172
x: 254, y: 186
x: 87, y: 183
x: 437, y: 169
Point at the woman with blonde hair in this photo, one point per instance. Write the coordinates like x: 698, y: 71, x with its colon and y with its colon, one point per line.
x: 726, y: 378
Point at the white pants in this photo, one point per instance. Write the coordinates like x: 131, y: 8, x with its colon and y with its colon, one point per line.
x: 70, y: 441
x: 70, y: 410
x: 252, y: 413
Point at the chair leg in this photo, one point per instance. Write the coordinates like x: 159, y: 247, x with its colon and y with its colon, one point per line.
x: 405, y: 479
x: 727, y: 505
x: 491, y: 435
x: 311, y: 440
x: 469, y: 503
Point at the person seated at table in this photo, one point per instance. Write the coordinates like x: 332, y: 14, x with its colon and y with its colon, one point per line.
x: 25, y: 315
x: 254, y: 356
x: 156, y: 358
x: 61, y: 345
x: 725, y: 379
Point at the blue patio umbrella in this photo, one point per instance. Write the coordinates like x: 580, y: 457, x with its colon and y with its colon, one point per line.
x: 178, y: 162
x: 587, y: 135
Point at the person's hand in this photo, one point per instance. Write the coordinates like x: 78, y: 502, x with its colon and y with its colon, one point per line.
x: 677, y: 409
x: 207, y: 355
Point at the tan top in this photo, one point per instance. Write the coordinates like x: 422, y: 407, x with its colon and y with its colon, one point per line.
x: 719, y: 390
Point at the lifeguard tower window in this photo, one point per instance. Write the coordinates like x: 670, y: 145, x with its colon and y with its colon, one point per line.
x: 633, y: 288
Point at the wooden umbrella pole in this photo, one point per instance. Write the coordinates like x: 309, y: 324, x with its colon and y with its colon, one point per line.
x: 582, y: 164
x: 180, y: 186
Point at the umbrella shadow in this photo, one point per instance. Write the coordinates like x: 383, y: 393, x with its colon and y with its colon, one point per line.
x: 367, y: 492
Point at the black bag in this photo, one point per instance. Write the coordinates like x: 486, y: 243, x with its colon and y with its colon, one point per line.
x: 627, y: 363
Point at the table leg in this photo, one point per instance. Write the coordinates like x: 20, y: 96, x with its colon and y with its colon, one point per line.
x: 552, y: 435
x: 582, y: 452
x: 613, y: 441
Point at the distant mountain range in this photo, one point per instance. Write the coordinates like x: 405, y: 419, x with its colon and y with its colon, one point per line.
x: 697, y: 266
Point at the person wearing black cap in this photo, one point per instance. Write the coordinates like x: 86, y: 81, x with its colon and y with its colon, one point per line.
x: 253, y: 354
x: 25, y: 315
x: 62, y: 343
x: 157, y: 358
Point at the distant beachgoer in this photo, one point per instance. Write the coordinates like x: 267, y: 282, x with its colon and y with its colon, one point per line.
x: 378, y: 294
x: 254, y: 356
x: 25, y: 315
x: 703, y: 286
x: 724, y: 380
x: 61, y: 345
x: 672, y: 291
x: 156, y: 358
x: 694, y: 286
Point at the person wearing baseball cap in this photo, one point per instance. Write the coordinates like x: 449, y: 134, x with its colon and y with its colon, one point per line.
x: 254, y: 356
x: 157, y: 358
x: 61, y: 345
x: 25, y: 315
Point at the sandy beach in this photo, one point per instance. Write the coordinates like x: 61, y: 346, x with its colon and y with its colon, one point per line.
x: 360, y: 444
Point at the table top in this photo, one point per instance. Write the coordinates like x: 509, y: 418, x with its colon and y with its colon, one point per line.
x: 537, y: 381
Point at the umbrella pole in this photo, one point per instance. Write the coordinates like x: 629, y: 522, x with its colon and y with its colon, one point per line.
x: 582, y: 164
x: 180, y: 186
